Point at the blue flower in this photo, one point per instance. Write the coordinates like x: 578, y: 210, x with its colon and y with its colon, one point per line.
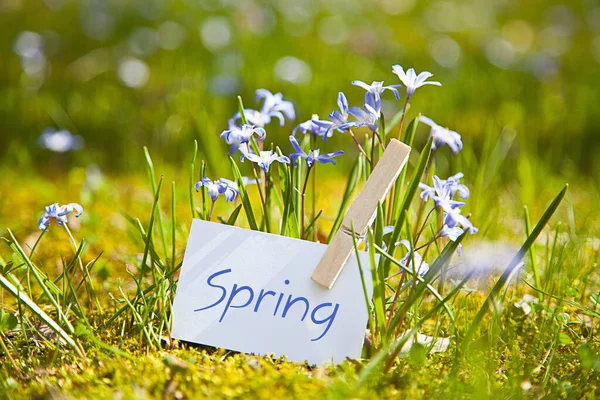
x: 377, y: 88
x: 421, y: 267
x: 442, y: 136
x: 264, y: 159
x: 337, y: 119
x: 367, y: 116
x: 312, y: 156
x: 441, y: 193
x: 60, y: 141
x: 245, y: 180
x: 453, y: 234
x: 453, y: 218
x: 455, y: 186
x: 217, y: 188
x: 59, y: 214
x: 411, y: 80
x: 273, y: 106
x: 315, y: 127
x: 235, y: 135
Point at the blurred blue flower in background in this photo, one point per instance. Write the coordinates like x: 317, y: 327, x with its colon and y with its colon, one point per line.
x: 60, y: 141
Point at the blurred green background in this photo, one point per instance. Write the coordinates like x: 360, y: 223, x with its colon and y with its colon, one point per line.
x: 123, y: 74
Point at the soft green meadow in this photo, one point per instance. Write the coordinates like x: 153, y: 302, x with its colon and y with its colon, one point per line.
x: 148, y: 87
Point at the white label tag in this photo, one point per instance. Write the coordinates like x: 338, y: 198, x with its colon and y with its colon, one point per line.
x: 251, y: 291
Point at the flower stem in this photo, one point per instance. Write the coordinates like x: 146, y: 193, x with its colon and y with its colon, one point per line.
x: 402, y: 118
x: 303, y: 200
x: 84, y: 272
x: 212, y: 207
x: 372, y: 161
x: 422, y: 204
x: 360, y: 148
x: 314, y: 195
x: 262, y: 197
x: 423, y: 227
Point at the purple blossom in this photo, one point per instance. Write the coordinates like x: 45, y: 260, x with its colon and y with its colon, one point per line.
x: 273, y: 106
x: 367, y: 116
x: 337, y: 119
x: 264, y: 159
x: 453, y: 234
x: 442, y: 194
x: 312, y: 155
x: 453, y: 218
x: 420, y: 267
x: 236, y: 135
x: 315, y: 127
x: 442, y: 136
x: 217, y: 188
x: 59, y: 214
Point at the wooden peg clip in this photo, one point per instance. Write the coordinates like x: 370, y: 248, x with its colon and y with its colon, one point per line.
x: 361, y: 213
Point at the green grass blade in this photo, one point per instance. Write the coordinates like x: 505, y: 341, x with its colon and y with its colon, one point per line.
x: 353, y: 180
x: 234, y: 215
x: 532, y: 256
x: 173, y: 225
x: 393, y: 348
x: 378, y: 289
x: 152, y: 177
x: 439, y: 263
x: 22, y: 297
x: 311, y: 225
x: 148, y: 245
x: 513, y: 264
x: 191, y: 189
x: 244, y: 195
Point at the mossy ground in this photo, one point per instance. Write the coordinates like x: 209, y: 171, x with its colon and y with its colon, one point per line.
x: 552, y: 351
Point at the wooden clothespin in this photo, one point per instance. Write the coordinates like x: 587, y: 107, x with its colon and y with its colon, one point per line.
x: 361, y: 213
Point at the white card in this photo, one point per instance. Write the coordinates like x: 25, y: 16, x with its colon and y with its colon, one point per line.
x: 251, y: 292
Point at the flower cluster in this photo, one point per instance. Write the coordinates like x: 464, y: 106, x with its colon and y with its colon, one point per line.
x: 59, y: 214
x: 246, y: 134
x: 369, y: 114
x: 442, y: 193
